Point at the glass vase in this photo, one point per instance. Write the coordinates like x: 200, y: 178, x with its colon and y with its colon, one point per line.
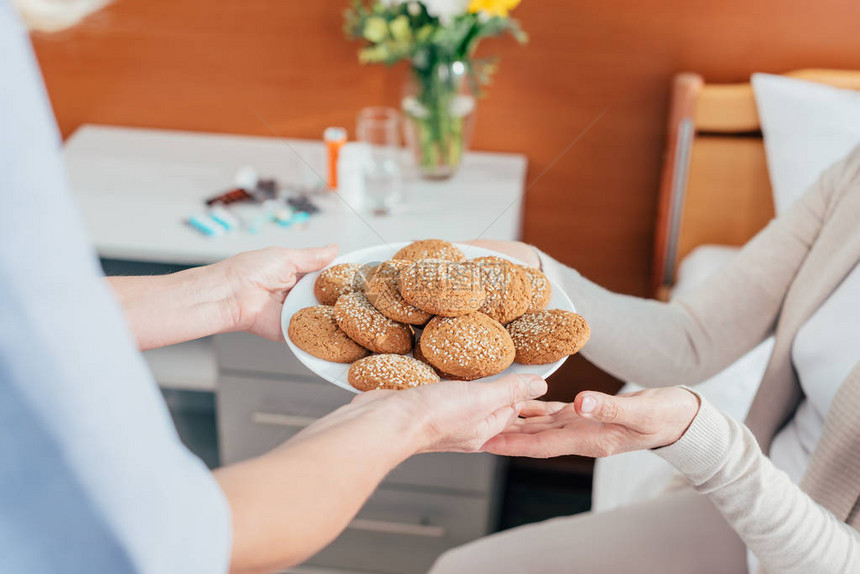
x: 439, y: 117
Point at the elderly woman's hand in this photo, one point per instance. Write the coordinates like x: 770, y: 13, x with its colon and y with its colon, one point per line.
x: 599, y: 425
x: 257, y: 282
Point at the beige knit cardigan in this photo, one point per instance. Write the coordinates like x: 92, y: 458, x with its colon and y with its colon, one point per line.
x: 773, y: 286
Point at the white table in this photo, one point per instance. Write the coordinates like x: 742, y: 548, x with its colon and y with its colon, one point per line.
x: 137, y: 187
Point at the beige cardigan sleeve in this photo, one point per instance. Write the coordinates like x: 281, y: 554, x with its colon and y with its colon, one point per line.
x: 697, y: 335
x: 788, y: 531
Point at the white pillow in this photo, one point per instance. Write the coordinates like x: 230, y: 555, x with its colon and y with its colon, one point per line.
x: 807, y: 127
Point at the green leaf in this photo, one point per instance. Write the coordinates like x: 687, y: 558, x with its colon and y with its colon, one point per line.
x: 450, y: 38
x: 424, y: 33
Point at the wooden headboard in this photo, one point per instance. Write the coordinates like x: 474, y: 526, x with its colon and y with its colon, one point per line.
x: 715, y: 186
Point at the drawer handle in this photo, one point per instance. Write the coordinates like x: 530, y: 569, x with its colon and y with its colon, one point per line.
x: 406, y: 528
x: 280, y: 420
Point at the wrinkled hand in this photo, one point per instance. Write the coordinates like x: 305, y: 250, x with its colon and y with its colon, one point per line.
x: 459, y: 416
x: 257, y: 282
x: 598, y: 425
x: 516, y: 249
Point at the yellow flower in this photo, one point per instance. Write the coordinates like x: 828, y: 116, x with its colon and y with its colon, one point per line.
x: 375, y: 29
x: 498, y: 8
x: 400, y: 28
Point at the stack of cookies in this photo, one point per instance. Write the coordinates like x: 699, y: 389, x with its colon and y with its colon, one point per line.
x: 461, y: 319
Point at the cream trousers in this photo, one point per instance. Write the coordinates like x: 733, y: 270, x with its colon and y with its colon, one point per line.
x: 679, y: 533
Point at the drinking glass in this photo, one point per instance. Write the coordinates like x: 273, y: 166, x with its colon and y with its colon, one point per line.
x: 379, y: 128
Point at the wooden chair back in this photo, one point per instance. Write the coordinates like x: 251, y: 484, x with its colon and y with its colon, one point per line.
x: 715, y: 186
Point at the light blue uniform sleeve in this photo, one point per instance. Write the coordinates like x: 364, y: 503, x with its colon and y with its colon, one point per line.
x: 93, y: 477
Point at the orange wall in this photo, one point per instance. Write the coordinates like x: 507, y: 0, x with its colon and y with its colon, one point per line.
x: 216, y: 65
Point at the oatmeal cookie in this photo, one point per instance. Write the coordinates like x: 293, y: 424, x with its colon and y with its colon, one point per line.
x: 335, y: 281
x: 314, y: 330
x: 430, y: 249
x: 468, y: 347
x: 548, y: 336
x: 416, y: 353
x: 438, y: 287
x: 370, y: 328
x: 509, y: 291
x: 393, y: 372
x: 383, y: 293
x: 541, y: 289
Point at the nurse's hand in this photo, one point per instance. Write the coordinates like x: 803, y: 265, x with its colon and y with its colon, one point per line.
x: 242, y: 293
x: 448, y: 416
x: 462, y: 416
x: 292, y: 501
x: 256, y: 283
x: 598, y: 425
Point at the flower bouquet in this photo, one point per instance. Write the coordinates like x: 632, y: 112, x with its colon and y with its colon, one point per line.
x: 438, y: 38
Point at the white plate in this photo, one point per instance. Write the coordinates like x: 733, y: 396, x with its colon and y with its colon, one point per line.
x: 302, y: 295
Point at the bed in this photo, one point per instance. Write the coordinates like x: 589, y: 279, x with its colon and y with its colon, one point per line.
x: 715, y: 194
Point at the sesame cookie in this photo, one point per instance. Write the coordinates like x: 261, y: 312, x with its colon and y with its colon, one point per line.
x: 392, y: 372
x: 363, y: 275
x: 468, y: 347
x: 430, y: 249
x: 509, y: 291
x: 541, y: 289
x: 314, y: 330
x: 383, y: 293
x: 335, y: 281
x: 417, y: 354
x: 370, y: 328
x: 438, y: 287
x: 548, y: 336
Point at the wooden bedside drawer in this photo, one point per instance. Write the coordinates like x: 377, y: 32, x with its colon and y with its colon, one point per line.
x: 246, y: 352
x: 257, y: 414
x: 403, y: 532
